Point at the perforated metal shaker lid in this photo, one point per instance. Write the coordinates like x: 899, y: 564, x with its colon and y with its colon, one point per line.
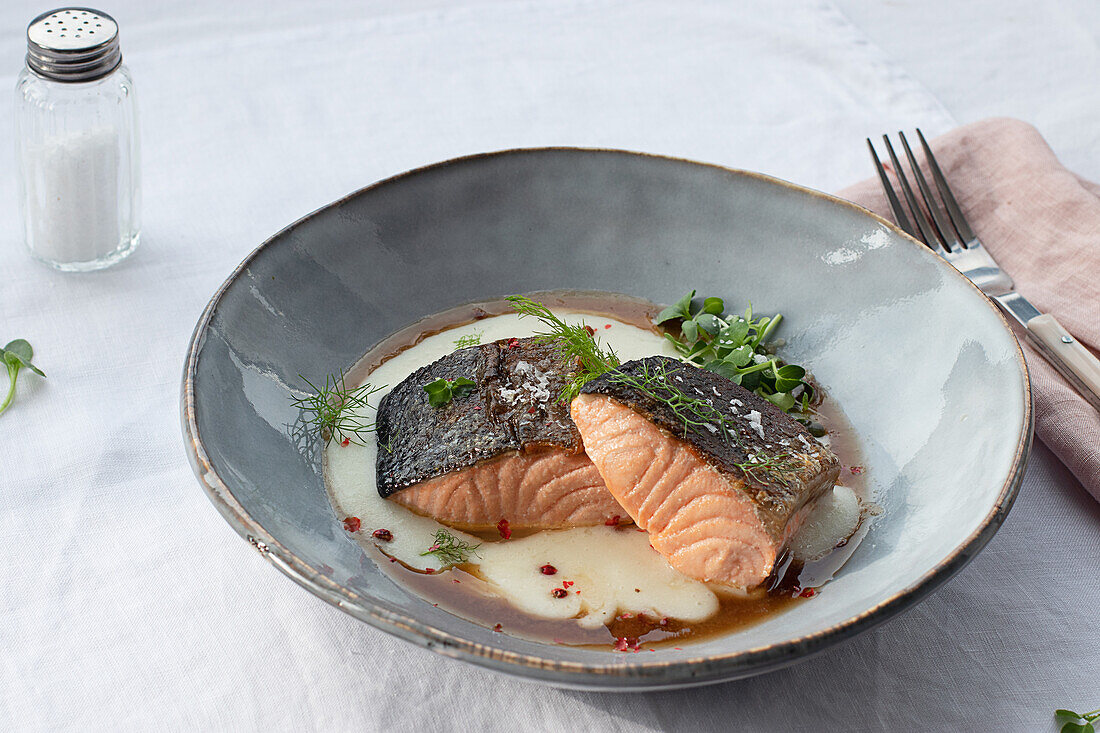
x: 73, y: 44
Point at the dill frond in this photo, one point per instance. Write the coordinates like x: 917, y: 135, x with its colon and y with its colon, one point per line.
x: 775, y: 468
x: 449, y: 549
x: 700, y: 416
x: 470, y: 339
x: 390, y: 445
x: 571, y: 343
x: 331, y: 409
x: 694, y: 413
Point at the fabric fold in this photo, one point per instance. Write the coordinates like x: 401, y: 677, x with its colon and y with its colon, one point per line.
x: 1041, y: 222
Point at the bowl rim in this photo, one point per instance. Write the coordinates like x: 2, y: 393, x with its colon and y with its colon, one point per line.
x: 636, y: 676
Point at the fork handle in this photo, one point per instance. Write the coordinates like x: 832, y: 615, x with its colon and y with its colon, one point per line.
x: 1068, y: 355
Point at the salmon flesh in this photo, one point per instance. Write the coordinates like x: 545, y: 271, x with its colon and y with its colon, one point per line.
x: 718, y: 476
x: 507, y: 451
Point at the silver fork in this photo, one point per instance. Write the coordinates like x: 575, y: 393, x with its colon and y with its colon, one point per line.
x: 946, y: 231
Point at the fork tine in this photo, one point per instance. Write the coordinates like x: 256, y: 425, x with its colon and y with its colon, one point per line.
x: 939, y: 219
x: 927, y: 234
x: 895, y: 205
x: 953, y: 210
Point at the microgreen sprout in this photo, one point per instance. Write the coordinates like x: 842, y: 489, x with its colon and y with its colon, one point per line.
x: 333, y: 409
x: 1072, y: 722
x: 442, y: 391
x: 738, y: 347
x: 16, y: 355
x: 449, y: 549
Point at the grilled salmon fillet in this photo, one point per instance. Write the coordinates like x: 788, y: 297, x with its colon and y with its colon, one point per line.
x: 507, y: 451
x: 720, y: 493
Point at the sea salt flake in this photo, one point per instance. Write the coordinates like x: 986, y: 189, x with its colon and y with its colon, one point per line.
x: 535, y: 387
x: 755, y: 424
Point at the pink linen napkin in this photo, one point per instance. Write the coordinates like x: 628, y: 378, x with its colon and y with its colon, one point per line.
x: 1041, y: 222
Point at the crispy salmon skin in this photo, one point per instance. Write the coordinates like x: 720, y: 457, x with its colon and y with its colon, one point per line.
x: 508, y: 451
x: 718, y: 476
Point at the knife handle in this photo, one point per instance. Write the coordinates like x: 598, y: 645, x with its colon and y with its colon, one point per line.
x: 1068, y: 355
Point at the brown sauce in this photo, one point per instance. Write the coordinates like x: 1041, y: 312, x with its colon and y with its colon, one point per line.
x: 460, y: 591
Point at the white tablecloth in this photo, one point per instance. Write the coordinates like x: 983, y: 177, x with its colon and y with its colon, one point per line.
x: 128, y: 604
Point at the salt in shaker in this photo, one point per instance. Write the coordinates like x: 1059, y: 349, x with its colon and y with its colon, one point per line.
x: 76, y: 140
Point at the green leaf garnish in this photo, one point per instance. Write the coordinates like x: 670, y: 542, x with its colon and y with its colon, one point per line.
x: 439, y: 392
x: 442, y: 391
x: 787, y: 377
x: 1072, y: 722
x: 462, y: 387
x: 332, y: 409
x: 709, y: 323
x: 783, y: 400
x: 449, y: 549
x: 682, y: 309
x: 713, y: 306
x: 690, y: 331
x: 16, y: 355
x: 571, y: 343
x: 1073, y: 726
x: 738, y: 348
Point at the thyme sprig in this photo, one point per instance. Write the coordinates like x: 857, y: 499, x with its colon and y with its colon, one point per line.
x: 449, y: 549
x: 332, y: 409
x: 571, y: 343
x: 1077, y: 722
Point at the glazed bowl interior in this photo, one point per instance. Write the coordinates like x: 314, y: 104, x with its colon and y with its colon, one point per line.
x: 924, y: 367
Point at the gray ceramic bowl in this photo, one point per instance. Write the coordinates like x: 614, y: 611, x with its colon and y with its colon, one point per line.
x: 924, y: 366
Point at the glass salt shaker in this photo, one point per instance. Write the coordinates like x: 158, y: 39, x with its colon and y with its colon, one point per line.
x: 76, y: 142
